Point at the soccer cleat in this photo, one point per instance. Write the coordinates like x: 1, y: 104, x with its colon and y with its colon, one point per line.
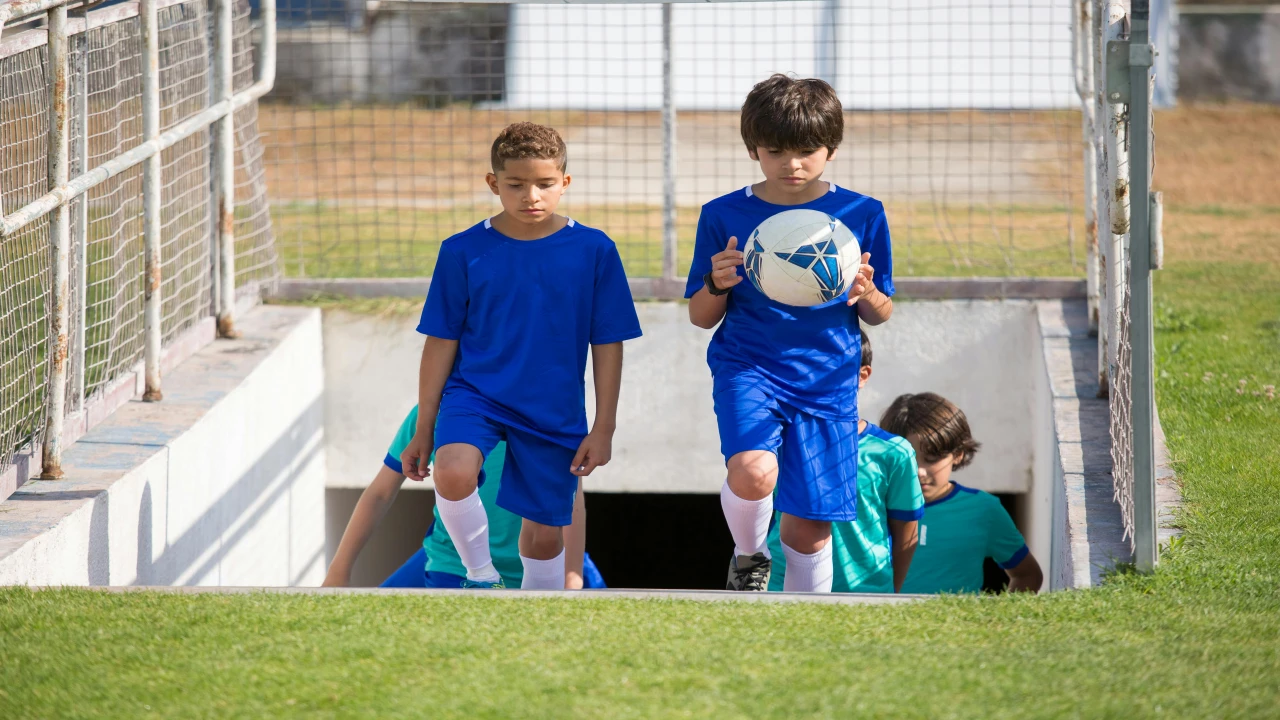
x: 749, y: 573
x: 469, y: 584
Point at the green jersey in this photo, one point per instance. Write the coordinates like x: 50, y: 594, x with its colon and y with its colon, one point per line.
x: 504, y: 527
x: 888, y: 489
x: 959, y: 532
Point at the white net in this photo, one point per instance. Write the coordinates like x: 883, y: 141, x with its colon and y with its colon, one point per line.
x: 961, y: 116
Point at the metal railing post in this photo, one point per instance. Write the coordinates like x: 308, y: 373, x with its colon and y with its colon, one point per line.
x: 1082, y: 31
x: 1141, y: 56
x: 224, y: 148
x: 151, y: 201
x: 81, y: 243
x: 1116, y: 169
x: 669, y: 240
x: 59, y: 236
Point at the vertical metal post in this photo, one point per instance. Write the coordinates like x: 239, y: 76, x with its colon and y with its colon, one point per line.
x: 224, y: 166
x: 59, y: 237
x: 151, y: 185
x: 1117, y: 174
x: 1141, y: 55
x: 669, y: 246
x: 81, y: 42
x: 1102, y: 200
x: 1082, y: 29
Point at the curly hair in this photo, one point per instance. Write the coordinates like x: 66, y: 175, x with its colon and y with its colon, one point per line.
x: 940, y: 428
x: 783, y: 113
x: 526, y: 140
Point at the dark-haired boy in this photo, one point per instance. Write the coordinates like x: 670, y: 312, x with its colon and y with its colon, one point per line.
x: 786, y: 378
x: 515, y: 302
x: 962, y: 526
x: 872, y: 554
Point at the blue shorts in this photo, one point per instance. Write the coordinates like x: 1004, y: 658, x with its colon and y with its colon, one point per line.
x: 413, y: 574
x: 536, y: 481
x: 817, y: 458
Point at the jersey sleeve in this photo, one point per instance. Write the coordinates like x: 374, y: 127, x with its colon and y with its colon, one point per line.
x: 708, y: 242
x: 613, y: 311
x: 905, y: 501
x: 445, y: 312
x: 876, y: 242
x: 405, y: 434
x: 1005, y: 544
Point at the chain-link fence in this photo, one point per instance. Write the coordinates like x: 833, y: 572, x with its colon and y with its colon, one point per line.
x: 961, y: 116
x: 106, y: 246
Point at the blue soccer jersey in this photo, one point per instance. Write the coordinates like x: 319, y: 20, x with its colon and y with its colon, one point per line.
x: 959, y: 531
x: 809, y: 355
x: 524, y: 313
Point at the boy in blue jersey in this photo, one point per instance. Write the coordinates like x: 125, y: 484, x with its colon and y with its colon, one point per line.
x: 786, y: 378
x: 871, y: 554
x: 962, y: 526
x: 436, y: 564
x: 514, y: 303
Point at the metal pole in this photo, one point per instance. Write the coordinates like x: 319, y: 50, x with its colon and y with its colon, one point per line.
x: 59, y: 236
x: 151, y: 184
x: 224, y: 149
x: 1141, y: 55
x: 82, y: 211
x: 1117, y: 175
x: 668, y: 151
x: 1082, y: 29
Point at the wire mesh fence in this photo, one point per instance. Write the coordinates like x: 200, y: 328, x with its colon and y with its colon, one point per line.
x: 961, y: 116
x: 107, y: 267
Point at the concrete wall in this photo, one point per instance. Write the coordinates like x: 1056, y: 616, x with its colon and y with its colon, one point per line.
x: 1229, y: 53
x: 222, y: 483
x: 974, y: 352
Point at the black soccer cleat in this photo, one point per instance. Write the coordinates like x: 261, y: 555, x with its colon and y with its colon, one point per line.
x: 749, y: 573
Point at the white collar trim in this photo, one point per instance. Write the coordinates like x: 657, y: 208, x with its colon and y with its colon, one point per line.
x: 488, y: 222
x: 831, y: 187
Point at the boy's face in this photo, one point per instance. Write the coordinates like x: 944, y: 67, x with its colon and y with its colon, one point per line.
x: 935, y: 472
x: 792, y: 172
x: 530, y: 188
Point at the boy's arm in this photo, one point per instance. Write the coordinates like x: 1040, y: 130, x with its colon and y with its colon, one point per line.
x: 707, y: 310
x: 575, y: 543
x: 874, y: 307
x: 370, y: 509
x: 1026, y: 576
x: 597, y: 447
x: 905, y: 538
x: 438, y: 355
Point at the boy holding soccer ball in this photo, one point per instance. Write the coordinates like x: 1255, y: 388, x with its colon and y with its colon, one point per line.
x: 514, y: 303
x: 786, y: 377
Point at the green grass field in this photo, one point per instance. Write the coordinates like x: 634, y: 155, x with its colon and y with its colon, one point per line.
x: 1199, y: 638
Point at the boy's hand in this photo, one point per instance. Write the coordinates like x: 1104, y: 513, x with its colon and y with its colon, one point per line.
x: 862, y: 281
x: 596, y: 450
x: 724, y: 265
x: 416, y: 456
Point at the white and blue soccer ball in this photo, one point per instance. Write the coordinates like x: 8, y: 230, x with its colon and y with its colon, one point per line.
x: 802, y: 257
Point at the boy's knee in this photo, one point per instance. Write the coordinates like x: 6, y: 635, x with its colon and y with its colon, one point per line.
x: 540, y: 542
x: 753, y: 474
x: 456, y: 471
x: 805, y: 536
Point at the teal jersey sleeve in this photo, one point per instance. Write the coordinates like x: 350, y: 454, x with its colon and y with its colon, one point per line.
x: 905, y: 500
x: 1005, y: 544
x: 403, y: 436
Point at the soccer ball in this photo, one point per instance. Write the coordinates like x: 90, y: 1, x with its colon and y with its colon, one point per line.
x: 802, y: 257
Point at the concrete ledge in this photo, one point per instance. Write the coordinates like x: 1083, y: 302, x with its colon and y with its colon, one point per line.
x: 221, y: 482
x: 915, y: 288
x: 516, y: 595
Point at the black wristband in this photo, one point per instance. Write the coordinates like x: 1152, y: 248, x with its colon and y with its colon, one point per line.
x: 711, y: 286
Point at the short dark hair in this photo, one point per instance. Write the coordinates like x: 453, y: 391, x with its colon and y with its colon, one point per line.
x: 783, y: 113
x: 526, y: 140
x: 938, y: 425
x: 866, y: 349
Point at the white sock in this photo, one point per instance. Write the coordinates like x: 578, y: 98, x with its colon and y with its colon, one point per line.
x: 468, y: 526
x: 543, y: 574
x: 748, y: 521
x: 808, y: 573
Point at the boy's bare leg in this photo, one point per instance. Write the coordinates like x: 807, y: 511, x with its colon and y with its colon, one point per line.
x: 457, y: 472
x: 542, y: 554
x: 747, y: 501
x: 807, y: 545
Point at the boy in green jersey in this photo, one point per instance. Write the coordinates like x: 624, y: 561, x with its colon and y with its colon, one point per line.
x: 437, y: 565
x: 871, y: 554
x: 962, y: 526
